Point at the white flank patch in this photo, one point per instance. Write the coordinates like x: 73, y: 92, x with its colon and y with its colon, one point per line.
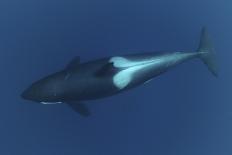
x: 50, y: 102
x: 124, y: 77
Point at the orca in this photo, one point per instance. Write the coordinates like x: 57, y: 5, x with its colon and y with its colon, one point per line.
x: 108, y: 76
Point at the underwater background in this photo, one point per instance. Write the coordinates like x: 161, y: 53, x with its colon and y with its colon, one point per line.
x: 185, y: 111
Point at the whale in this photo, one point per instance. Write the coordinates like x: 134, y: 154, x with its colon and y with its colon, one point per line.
x: 83, y: 81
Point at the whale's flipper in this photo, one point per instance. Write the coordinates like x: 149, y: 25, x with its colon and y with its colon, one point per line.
x: 80, y: 108
x: 207, y: 52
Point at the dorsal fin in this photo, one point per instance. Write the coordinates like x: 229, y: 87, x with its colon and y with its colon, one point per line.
x: 74, y: 62
x: 106, y: 69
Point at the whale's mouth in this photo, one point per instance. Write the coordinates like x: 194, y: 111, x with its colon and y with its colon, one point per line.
x: 50, y: 102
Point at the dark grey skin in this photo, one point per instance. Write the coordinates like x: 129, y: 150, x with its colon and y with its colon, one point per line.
x: 87, y: 81
x: 108, y: 76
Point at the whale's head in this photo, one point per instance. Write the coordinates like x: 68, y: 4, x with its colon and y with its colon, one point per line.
x: 46, y: 90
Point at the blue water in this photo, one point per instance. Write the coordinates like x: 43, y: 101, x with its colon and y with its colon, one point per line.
x: 183, y: 112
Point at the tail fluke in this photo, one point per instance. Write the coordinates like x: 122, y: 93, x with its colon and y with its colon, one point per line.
x: 207, y: 52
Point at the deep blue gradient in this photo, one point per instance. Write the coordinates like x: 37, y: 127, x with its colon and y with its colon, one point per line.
x: 183, y: 112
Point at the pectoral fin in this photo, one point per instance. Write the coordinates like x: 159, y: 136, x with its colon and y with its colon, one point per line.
x: 80, y: 108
